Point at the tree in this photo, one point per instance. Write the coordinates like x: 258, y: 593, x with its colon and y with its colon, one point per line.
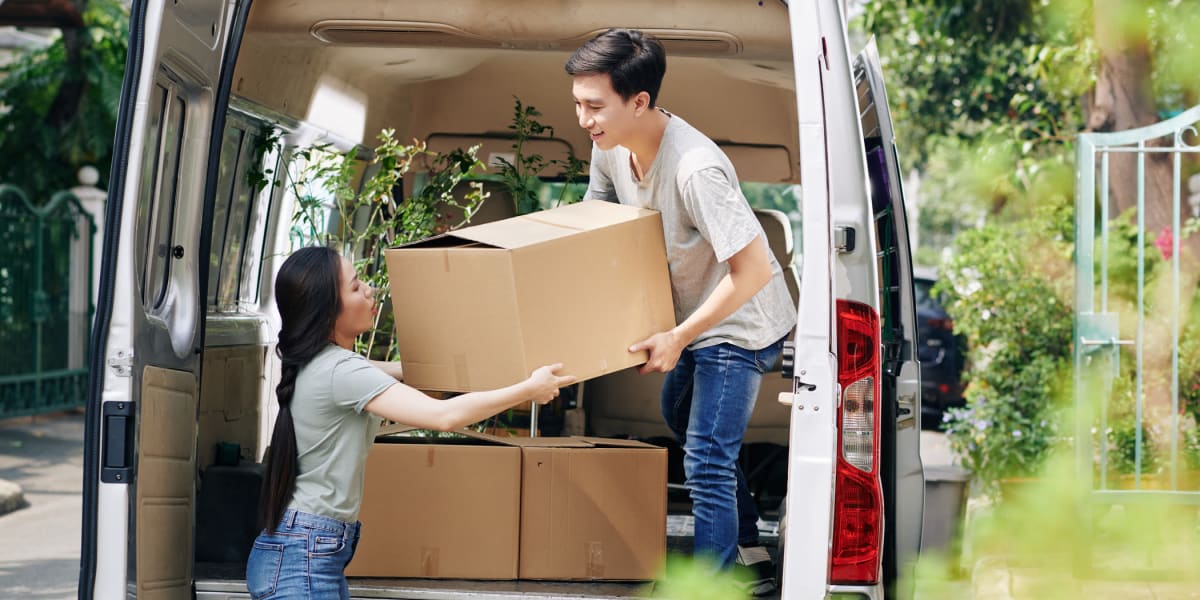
x: 59, y: 103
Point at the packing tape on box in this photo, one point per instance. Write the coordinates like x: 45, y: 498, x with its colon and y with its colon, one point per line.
x: 429, y: 562
x: 595, y: 560
x: 461, y: 374
x: 531, y: 217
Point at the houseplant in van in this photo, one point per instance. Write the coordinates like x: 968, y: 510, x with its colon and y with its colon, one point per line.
x: 368, y: 214
x: 522, y: 175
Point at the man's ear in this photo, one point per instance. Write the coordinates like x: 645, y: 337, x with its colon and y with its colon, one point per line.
x: 641, y: 103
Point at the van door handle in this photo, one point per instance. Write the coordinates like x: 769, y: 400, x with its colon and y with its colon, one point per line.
x: 116, y: 452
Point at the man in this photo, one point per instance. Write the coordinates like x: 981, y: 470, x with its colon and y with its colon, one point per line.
x: 731, y: 303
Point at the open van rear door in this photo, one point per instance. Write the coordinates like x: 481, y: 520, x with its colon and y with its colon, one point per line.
x: 854, y: 475
x: 903, y: 477
x: 140, y: 439
x: 821, y: 98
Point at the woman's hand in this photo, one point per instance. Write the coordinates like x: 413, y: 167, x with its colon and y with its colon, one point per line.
x: 545, y: 381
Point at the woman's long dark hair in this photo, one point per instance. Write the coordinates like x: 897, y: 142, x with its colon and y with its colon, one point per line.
x: 306, y: 292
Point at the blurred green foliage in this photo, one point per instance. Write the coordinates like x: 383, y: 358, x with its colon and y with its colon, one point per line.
x: 987, y: 95
x: 41, y: 152
x: 1008, y: 289
x: 696, y: 578
x: 988, y: 98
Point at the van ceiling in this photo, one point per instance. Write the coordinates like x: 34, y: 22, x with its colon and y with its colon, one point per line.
x: 454, y: 66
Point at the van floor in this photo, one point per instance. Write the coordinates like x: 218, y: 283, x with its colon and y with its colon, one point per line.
x: 227, y: 581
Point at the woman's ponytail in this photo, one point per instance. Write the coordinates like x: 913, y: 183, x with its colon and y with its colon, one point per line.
x: 306, y: 292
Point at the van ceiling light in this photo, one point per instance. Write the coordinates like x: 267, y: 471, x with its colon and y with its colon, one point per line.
x: 425, y: 34
x: 397, y: 33
x: 680, y: 42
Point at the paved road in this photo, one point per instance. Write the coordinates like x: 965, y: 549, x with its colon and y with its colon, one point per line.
x: 39, y: 544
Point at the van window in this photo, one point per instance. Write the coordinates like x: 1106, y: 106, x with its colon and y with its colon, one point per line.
x: 309, y: 180
x: 239, y: 217
x: 157, y: 194
x: 231, y: 146
x: 266, y: 157
x: 783, y: 197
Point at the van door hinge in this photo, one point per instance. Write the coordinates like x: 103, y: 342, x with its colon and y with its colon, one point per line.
x: 121, y: 362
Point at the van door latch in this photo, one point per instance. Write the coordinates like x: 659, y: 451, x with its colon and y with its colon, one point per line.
x: 116, y: 451
x: 843, y: 239
x: 121, y: 363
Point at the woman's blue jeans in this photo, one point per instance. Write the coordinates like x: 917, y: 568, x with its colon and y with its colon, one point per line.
x: 706, y: 401
x: 305, y: 557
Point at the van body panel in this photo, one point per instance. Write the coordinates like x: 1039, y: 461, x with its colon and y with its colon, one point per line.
x: 809, y: 503
x: 156, y: 312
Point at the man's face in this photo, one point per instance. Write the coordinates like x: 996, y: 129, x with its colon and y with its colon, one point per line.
x: 603, y: 113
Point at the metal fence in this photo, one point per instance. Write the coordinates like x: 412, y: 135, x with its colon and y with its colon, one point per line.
x: 1137, y: 390
x: 45, y: 302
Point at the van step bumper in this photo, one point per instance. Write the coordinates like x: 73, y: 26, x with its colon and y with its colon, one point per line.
x: 428, y: 589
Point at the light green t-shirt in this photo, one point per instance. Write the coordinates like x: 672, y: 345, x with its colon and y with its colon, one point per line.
x: 333, y: 434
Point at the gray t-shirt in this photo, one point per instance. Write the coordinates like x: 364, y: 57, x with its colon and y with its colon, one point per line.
x: 706, y: 220
x: 333, y: 434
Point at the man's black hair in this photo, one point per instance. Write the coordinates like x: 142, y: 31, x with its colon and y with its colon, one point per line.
x: 635, y: 62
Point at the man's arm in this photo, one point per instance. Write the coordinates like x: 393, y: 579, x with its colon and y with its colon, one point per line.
x: 749, y: 272
x: 391, y: 367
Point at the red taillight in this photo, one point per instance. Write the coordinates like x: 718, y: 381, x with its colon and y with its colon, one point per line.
x: 858, y: 497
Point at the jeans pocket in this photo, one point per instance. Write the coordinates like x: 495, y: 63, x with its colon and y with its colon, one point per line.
x: 323, y: 545
x: 262, y: 569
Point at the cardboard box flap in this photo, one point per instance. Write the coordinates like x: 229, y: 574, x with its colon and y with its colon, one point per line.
x: 539, y: 227
x: 590, y: 214
x: 517, y: 232
x: 395, y: 432
x: 600, y: 442
x: 549, y: 442
x: 445, y: 240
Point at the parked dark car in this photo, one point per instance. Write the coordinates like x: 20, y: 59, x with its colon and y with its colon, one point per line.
x: 941, y: 352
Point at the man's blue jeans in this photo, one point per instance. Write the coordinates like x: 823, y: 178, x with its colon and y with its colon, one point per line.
x: 304, y: 557
x: 706, y: 401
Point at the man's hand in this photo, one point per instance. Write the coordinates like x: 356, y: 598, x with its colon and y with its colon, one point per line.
x: 665, y: 348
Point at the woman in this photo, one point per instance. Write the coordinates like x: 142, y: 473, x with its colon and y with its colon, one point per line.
x: 330, y: 403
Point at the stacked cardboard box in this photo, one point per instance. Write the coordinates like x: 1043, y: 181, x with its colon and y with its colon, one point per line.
x: 484, y: 507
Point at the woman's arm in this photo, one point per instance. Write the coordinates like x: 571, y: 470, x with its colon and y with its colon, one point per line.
x: 391, y: 367
x: 407, y: 405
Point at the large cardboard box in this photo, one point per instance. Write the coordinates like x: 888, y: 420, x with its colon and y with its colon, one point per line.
x: 483, y: 507
x: 440, y: 508
x: 593, y: 512
x: 484, y: 306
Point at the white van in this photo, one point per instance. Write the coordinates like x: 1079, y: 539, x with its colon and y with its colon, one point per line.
x: 182, y: 355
